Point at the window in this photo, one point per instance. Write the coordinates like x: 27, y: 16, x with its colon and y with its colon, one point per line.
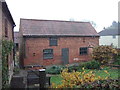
x: 48, y: 54
x: 114, y: 37
x: 53, y: 41
x: 6, y: 28
x: 83, y: 51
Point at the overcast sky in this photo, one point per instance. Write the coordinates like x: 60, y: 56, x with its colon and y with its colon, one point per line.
x: 102, y: 12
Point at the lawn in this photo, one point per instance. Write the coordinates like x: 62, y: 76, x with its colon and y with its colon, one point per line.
x: 113, y: 74
x: 56, y: 79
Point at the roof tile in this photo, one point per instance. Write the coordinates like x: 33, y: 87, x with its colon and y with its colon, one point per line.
x: 33, y: 27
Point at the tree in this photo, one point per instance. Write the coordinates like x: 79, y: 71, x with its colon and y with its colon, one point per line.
x: 93, y: 24
x: 113, y: 26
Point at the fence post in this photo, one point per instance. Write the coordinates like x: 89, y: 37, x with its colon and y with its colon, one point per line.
x: 42, y: 78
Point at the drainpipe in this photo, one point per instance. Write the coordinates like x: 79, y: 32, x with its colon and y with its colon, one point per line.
x: 14, y: 46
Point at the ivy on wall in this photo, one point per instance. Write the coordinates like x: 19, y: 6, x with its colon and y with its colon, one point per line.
x: 7, y: 47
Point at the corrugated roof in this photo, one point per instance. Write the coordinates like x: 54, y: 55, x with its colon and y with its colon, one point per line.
x: 33, y: 27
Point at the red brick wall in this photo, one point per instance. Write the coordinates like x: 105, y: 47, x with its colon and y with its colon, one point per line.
x: 9, y: 38
x: 10, y: 34
x: 36, y: 45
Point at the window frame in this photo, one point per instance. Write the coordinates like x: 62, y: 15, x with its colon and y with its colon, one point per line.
x: 53, y: 41
x: 46, y: 52
x: 83, y: 51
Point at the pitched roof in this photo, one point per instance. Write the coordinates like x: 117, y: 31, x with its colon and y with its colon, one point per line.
x: 110, y: 31
x: 33, y: 27
x: 6, y: 10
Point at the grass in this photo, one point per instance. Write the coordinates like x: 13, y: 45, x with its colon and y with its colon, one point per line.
x: 56, y: 79
x: 113, y: 74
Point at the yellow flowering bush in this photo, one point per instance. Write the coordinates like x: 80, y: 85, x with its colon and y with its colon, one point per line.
x: 104, y: 54
x: 76, y: 79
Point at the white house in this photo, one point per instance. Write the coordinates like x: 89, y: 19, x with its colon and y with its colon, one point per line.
x: 110, y: 36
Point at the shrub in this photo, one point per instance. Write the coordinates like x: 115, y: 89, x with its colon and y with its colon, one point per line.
x: 72, y: 67
x: 90, y: 65
x: 103, y: 54
x: 77, y: 79
x: 54, y: 69
x: 117, y: 58
x: 103, y: 84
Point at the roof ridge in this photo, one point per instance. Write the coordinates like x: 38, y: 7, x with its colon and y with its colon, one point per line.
x: 54, y: 20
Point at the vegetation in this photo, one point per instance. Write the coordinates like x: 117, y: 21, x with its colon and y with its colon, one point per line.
x: 114, y: 25
x: 87, y: 65
x: 86, y: 78
x: 7, y: 47
x: 56, y: 79
x: 54, y: 69
x: 107, y: 84
x: 117, y: 58
x: 91, y: 74
x: 104, y: 54
x: 76, y: 79
x: 90, y: 65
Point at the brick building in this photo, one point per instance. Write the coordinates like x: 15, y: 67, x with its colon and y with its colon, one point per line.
x: 48, y: 42
x: 7, y: 25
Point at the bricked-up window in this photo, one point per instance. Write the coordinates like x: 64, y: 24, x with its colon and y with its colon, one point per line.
x: 53, y: 41
x: 83, y: 51
x: 6, y: 28
x: 48, y: 54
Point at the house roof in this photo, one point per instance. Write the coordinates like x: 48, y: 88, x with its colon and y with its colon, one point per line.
x: 6, y: 10
x: 110, y: 31
x: 33, y: 27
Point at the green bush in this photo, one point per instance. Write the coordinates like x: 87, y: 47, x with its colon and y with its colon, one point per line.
x: 54, y: 69
x: 90, y: 65
x: 117, y: 59
x: 73, y: 67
